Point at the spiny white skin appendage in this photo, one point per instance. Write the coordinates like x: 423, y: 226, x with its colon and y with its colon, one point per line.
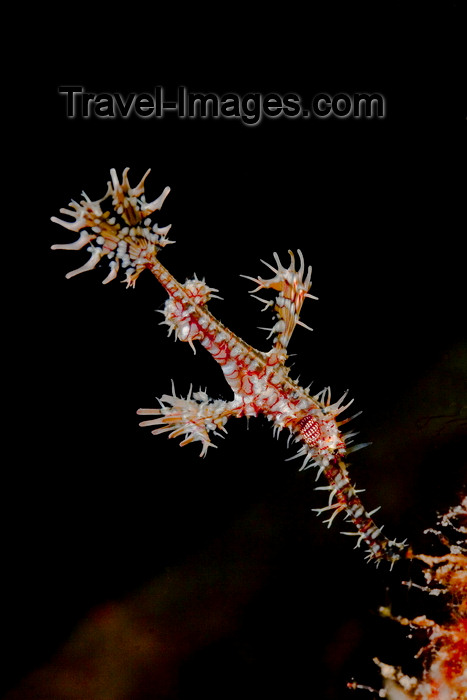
x: 193, y: 418
x: 259, y: 380
x: 132, y: 245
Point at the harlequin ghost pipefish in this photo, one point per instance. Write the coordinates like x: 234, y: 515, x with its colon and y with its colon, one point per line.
x: 259, y: 380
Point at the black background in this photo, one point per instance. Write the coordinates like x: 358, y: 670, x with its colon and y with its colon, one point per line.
x: 96, y: 508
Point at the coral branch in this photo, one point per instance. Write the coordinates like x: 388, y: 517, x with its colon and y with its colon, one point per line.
x: 445, y: 654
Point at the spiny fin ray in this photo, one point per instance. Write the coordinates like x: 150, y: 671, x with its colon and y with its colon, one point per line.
x: 293, y: 290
